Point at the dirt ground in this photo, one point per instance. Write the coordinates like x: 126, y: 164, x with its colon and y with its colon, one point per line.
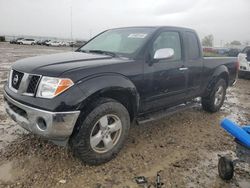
x: 184, y: 146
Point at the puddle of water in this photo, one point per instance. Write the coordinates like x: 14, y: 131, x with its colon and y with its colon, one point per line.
x: 5, y: 172
x: 233, y: 107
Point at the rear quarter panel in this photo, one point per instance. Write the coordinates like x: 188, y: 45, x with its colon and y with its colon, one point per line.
x: 213, y: 64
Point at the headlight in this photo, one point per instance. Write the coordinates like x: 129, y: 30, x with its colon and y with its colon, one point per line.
x: 50, y: 87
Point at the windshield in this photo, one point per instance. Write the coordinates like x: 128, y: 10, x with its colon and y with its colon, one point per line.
x: 125, y: 41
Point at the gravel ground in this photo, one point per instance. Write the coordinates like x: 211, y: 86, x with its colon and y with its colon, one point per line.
x: 184, y: 146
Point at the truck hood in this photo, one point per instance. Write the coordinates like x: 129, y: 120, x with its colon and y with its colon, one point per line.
x: 56, y: 64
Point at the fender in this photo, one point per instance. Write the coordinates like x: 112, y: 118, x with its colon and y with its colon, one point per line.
x: 220, y: 71
x: 99, y: 84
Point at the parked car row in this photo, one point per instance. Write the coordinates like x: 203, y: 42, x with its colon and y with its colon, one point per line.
x: 46, y: 42
x: 213, y: 51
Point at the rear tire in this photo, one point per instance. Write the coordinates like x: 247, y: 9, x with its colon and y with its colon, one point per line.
x: 216, y: 97
x: 101, y: 133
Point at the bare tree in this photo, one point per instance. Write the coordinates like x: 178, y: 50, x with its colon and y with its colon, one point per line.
x: 208, y: 40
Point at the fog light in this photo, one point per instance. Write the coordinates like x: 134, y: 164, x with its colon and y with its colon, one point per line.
x: 41, y: 124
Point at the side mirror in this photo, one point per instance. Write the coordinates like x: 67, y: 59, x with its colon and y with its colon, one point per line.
x: 164, y: 53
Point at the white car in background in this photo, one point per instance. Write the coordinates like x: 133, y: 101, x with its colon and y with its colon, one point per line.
x: 19, y: 40
x: 28, y: 41
x: 55, y: 43
x: 244, y: 61
x: 65, y: 43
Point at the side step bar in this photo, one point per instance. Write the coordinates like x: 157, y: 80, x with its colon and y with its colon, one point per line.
x: 166, y: 112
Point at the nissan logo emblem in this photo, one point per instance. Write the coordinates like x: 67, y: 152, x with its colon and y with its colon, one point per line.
x: 15, y: 79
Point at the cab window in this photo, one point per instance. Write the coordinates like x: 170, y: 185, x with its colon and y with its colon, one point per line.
x: 168, y: 39
x: 193, y: 46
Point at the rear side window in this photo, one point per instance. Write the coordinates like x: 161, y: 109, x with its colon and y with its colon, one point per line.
x: 192, y: 46
x: 169, y: 39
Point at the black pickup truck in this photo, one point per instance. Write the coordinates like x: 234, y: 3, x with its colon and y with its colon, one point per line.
x: 88, y: 98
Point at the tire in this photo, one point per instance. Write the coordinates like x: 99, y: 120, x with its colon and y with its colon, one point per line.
x: 215, y: 99
x: 225, y: 168
x: 92, y: 130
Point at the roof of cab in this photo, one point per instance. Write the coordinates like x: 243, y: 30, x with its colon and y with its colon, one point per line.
x: 158, y: 27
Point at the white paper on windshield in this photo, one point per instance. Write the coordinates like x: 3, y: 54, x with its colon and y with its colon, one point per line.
x: 137, y: 35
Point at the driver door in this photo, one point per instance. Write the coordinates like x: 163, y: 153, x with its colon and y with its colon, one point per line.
x: 165, y: 80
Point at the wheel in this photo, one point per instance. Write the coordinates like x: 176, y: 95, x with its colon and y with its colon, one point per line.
x: 100, y: 134
x: 215, y: 99
x: 225, y: 168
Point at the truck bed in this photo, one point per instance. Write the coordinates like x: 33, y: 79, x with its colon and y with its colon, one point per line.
x: 211, y: 63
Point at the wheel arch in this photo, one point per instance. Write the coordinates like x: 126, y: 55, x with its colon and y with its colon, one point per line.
x: 116, y: 87
x: 220, y: 72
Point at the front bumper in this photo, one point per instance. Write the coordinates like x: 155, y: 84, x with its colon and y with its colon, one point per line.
x: 243, y: 73
x: 51, y: 125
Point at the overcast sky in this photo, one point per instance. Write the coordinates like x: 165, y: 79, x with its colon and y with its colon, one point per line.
x: 227, y: 20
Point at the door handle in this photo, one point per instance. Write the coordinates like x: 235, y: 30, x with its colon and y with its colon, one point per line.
x: 183, y: 68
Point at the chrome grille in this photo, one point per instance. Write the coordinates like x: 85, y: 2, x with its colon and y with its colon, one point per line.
x: 23, y: 83
x: 33, y: 84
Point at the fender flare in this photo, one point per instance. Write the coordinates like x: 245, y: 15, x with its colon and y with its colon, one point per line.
x: 220, y: 72
x: 99, y: 84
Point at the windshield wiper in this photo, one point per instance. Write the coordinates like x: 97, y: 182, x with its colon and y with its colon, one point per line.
x: 103, y: 52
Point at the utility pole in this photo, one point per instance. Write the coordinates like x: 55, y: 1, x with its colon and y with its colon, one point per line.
x: 71, y: 25
x: 71, y: 34
x: 90, y: 33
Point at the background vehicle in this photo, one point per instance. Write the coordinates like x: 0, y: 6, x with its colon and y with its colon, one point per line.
x: 77, y: 43
x: 14, y: 41
x: 28, y: 41
x: 233, y: 52
x: 88, y: 98
x: 54, y: 43
x: 46, y: 43
x: 43, y: 42
x: 65, y: 43
x: 244, y: 60
x: 39, y: 42
x: 19, y: 40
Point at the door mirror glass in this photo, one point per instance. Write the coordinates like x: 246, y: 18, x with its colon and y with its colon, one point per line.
x: 164, y: 53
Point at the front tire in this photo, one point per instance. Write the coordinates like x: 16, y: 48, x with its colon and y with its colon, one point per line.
x: 216, y: 97
x: 101, y: 134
